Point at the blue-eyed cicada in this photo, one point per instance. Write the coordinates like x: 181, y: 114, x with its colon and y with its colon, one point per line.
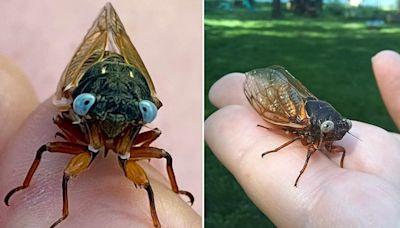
x: 282, y: 100
x: 104, y: 97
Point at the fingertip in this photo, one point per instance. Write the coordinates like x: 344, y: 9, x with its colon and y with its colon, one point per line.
x: 226, y: 132
x: 383, y: 56
x: 228, y: 90
x: 384, y: 64
x: 17, y: 98
x: 386, y: 67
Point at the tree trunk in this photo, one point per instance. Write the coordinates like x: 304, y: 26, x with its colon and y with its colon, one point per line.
x: 276, y: 8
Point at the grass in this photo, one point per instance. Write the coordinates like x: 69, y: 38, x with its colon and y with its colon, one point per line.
x: 331, y: 56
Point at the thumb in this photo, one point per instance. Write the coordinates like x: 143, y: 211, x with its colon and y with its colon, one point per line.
x: 386, y: 67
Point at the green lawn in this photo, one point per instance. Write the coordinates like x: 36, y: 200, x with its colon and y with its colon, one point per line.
x: 330, y: 56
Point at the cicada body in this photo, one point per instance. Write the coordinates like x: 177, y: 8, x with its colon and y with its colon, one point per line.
x: 104, y: 97
x: 282, y: 100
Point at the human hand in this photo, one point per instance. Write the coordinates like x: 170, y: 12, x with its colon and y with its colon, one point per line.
x: 100, y: 197
x: 365, y: 193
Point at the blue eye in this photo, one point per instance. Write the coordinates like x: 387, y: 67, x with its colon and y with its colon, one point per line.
x: 82, y: 103
x: 148, y: 110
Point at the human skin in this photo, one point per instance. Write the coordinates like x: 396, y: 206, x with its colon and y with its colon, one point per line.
x: 365, y: 193
x: 41, y: 39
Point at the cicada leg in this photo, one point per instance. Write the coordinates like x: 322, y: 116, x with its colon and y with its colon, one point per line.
x: 70, y: 132
x: 311, y: 149
x: 152, y: 152
x: 76, y: 165
x: 59, y: 147
x: 144, y: 139
x: 262, y: 126
x: 61, y: 135
x: 282, y: 146
x: 138, y: 176
x: 336, y: 149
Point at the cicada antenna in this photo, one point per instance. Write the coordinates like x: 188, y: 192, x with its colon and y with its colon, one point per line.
x: 353, y: 135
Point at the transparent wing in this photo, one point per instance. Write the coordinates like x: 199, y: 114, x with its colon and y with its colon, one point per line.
x: 127, y: 50
x: 106, y: 34
x: 277, y: 96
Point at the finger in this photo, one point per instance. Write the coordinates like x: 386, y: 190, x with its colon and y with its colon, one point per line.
x: 386, y: 67
x: 232, y: 135
x: 17, y: 99
x: 228, y: 90
x: 371, y: 149
x: 396, y: 135
x: 100, y: 195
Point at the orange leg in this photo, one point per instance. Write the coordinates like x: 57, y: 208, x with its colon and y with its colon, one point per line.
x: 145, y: 138
x: 279, y: 130
x: 310, y: 151
x: 337, y: 149
x: 61, y: 135
x: 60, y: 147
x: 267, y: 128
x: 152, y: 152
x: 282, y: 146
x: 77, y: 165
x: 138, y: 176
x: 70, y: 132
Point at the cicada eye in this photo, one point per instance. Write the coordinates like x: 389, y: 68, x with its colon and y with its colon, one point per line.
x: 327, y: 126
x: 83, y: 103
x: 148, y: 110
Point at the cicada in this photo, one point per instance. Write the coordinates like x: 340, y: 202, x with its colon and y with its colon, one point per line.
x: 283, y: 101
x: 104, y: 97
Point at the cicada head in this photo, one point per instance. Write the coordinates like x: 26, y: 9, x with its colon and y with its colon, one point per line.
x: 115, y: 95
x: 106, y: 82
x: 326, y: 123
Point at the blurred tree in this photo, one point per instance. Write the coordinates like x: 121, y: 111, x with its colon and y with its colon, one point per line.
x: 249, y: 5
x: 276, y: 8
x: 238, y: 3
x: 310, y: 7
x: 398, y: 6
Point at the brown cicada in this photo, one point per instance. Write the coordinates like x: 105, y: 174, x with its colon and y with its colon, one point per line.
x: 104, y: 97
x: 283, y: 101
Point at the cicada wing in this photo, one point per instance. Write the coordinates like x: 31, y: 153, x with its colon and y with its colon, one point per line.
x: 89, y: 52
x: 293, y: 81
x: 127, y: 50
x: 277, y: 96
x: 106, y: 34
